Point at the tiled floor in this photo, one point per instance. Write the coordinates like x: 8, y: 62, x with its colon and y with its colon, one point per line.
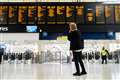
x: 58, y: 72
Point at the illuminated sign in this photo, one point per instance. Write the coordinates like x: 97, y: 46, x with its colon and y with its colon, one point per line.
x: 51, y: 14
x: 79, y: 14
x: 60, y: 14
x: 70, y: 14
x: 41, y: 14
x: 12, y: 15
x: 32, y: 15
x: 109, y: 14
x: 31, y: 28
x: 3, y: 14
x: 100, y: 14
x: 3, y: 29
x: 90, y: 14
x: 22, y: 14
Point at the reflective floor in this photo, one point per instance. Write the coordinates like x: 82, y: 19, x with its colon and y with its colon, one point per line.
x: 54, y: 71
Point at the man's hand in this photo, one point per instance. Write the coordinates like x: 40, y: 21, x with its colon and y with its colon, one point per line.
x: 69, y: 31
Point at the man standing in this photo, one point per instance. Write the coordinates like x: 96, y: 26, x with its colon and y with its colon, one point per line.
x: 76, y: 45
x: 104, y: 54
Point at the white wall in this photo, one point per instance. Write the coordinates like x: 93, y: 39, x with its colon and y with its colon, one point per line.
x: 18, y: 36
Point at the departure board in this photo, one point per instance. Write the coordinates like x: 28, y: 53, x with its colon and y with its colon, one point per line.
x: 70, y: 14
x: 22, y: 15
x: 60, y: 14
x: 51, y: 14
x: 41, y: 14
x: 32, y: 14
x: 79, y: 14
x: 109, y: 14
x: 100, y: 19
x: 117, y: 14
x: 3, y: 14
x: 90, y: 14
x: 13, y: 16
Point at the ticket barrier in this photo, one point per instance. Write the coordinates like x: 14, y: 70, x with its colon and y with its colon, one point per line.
x: 56, y: 57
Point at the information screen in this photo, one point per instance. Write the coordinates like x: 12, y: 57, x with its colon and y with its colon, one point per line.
x: 109, y: 14
x: 70, y: 14
x: 32, y: 14
x: 60, y: 14
x: 90, y: 14
x: 13, y: 15
x: 41, y: 14
x: 100, y: 19
x: 79, y: 14
x: 117, y: 14
x: 22, y: 15
x: 51, y: 14
x: 3, y: 14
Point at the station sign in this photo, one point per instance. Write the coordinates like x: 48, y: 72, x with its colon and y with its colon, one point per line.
x: 19, y: 29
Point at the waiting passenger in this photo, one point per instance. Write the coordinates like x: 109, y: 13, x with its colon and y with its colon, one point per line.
x: 76, y: 46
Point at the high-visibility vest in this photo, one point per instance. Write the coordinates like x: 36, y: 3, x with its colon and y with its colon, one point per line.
x: 104, y: 52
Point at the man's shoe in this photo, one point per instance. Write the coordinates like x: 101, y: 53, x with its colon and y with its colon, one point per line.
x: 76, y: 74
x: 83, y: 73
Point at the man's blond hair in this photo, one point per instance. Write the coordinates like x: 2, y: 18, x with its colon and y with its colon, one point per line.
x: 73, y: 26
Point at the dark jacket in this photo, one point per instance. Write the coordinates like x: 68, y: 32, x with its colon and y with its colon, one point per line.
x: 1, y: 51
x: 76, y: 42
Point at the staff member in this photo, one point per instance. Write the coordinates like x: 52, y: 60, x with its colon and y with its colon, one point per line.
x: 76, y: 45
x: 104, y: 54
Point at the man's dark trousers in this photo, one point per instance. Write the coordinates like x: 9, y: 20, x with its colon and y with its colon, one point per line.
x: 78, y: 59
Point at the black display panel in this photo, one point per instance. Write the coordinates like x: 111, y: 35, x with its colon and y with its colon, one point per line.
x: 41, y: 14
x: 70, y: 14
x: 100, y: 17
x: 22, y: 15
x: 109, y: 14
x: 117, y: 14
x: 19, y: 28
x: 51, y: 14
x: 90, y: 14
x: 3, y: 14
x: 79, y: 14
x: 13, y: 15
x: 12, y: 28
x: 61, y: 14
x: 32, y: 14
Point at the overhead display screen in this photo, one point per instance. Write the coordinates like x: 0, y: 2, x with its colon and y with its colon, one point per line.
x: 51, y: 14
x: 109, y: 14
x: 100, y: 19
x: 41, y: 14
x: 32, y: 14
x: 3, y: 14
x: 90, y: 14
x: 13, y: 16
x: 60, y: 14
x: 117, y: 14
x: 79, y: 14
x: 22, y: 15
x: 70, y: 14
